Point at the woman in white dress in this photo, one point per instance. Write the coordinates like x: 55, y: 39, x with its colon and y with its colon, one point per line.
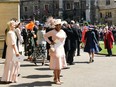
x: 56, y: 52
x: 11, y: 66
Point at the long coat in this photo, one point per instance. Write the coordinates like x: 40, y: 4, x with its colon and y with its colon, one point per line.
x: 108, y: 40
x: 91, y: 42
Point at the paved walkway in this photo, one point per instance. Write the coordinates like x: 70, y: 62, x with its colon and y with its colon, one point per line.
x: 101, y: 73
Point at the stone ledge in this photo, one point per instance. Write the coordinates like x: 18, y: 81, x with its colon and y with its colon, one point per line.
x: 1, y: 50
x: 10, y: 1
x: 1, y: 37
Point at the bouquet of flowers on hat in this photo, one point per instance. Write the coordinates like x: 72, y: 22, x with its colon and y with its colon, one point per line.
x: 50, y: 22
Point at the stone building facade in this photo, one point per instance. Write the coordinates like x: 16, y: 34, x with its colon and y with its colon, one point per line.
x: 39, y: 9
x: 65, y: 9
x: 8, y: 9
x: 107, y: 11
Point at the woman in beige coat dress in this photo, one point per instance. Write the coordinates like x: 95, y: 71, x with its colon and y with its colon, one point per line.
x: 56, y: 52
x: 11, y: 66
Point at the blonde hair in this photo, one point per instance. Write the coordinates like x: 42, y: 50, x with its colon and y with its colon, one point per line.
x: 8, y: 27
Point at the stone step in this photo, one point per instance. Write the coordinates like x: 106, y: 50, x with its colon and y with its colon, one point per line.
x: 2, y: 36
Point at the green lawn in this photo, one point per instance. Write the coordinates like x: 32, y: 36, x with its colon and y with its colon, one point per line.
x: 104, y: 51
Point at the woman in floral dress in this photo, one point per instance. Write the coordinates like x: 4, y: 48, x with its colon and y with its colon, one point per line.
x: 41, y: 43
x: 29, y: 41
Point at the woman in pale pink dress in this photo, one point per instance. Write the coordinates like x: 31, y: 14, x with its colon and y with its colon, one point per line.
x: 11, y: 67
x: 57, y: 54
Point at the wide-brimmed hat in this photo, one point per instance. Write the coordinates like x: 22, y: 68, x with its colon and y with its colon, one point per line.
x: 72, y: 22
x: 37, y: 22
x: 17, y: 24
x: 91, y: 27
x: 57, y: 21
x: 64, y: 22
x: 106, y: 27
x: 50, y: 22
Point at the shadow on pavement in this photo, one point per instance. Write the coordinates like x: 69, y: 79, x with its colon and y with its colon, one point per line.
x: 1, y: 62
x: 29, y: 65
x: 86, y: 62
x: 42, y: 69
x: 3, y: 82
x: 100, y: 56
x: 105, y: 54
x: 34, y: 84
x: 37, y: 76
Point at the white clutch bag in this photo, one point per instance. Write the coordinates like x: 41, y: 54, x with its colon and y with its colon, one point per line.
x: 57, y: 41
x: 52, y: 49
x: 20, y: 58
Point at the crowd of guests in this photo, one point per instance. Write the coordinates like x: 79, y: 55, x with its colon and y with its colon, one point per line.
x: 59, y: 41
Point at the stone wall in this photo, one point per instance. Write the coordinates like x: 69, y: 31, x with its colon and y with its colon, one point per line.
x: 103, y: 8
x: 8, y: 9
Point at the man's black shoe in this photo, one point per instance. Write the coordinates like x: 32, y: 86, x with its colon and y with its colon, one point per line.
x: 108, y: 55
x: 19, y: 75
x: 66, y: 68
x: 92, y: 60
x: 71, y: 63
x: 78, y: 55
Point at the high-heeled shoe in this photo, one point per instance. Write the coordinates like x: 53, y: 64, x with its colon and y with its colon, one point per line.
x: 58, y: 83
x: 90, y: 60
